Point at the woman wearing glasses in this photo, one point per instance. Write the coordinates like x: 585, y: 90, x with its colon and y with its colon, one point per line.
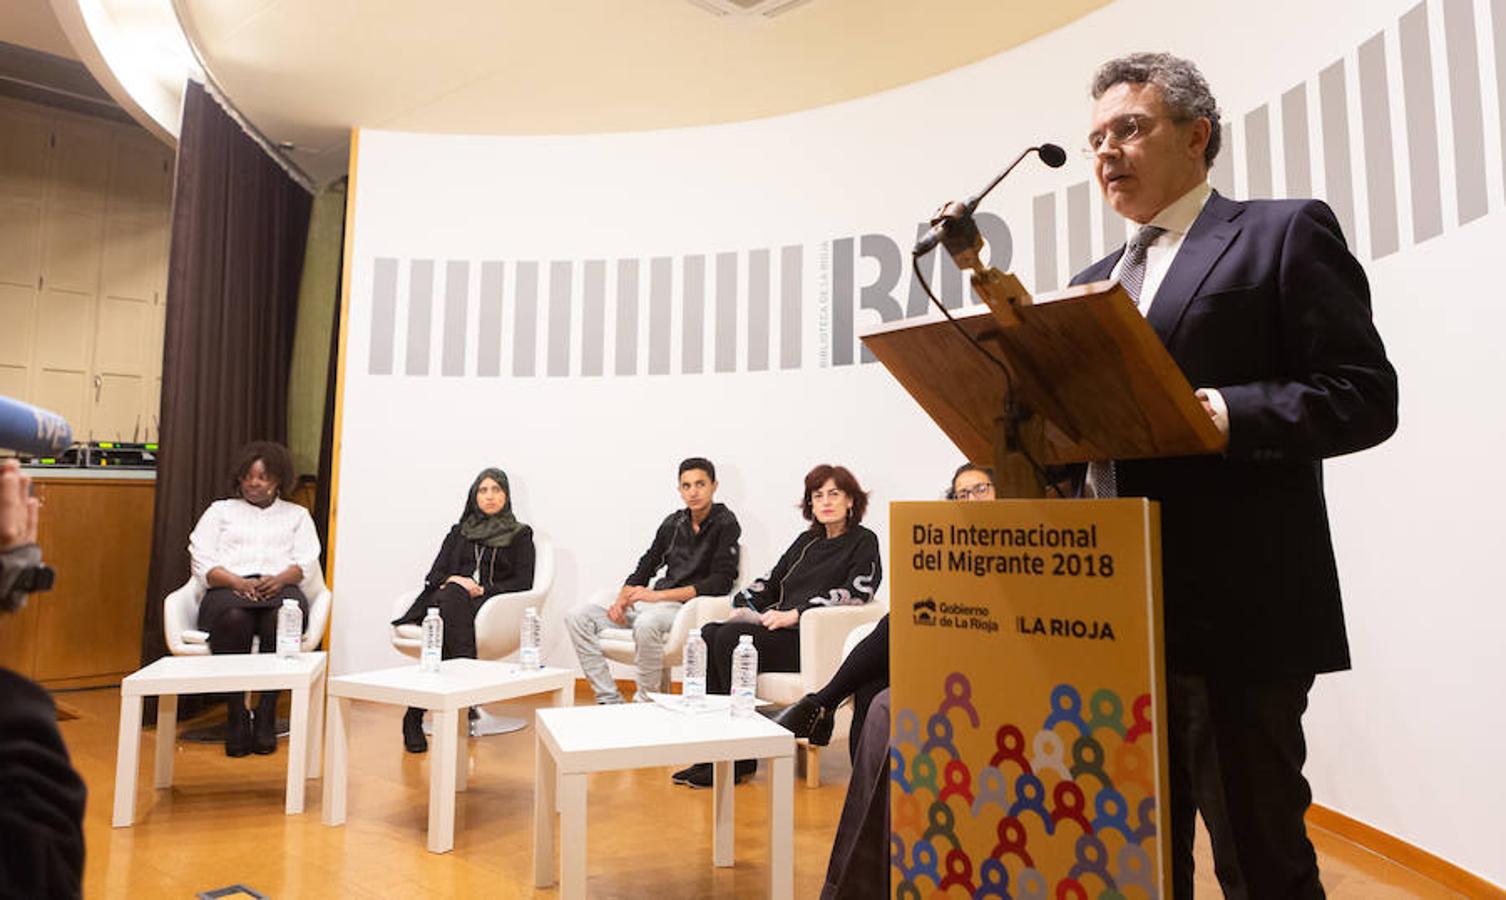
x: 834, y: 562
x: 865, y: 671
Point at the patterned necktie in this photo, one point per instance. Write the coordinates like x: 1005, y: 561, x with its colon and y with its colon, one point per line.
x: 1102, y: 482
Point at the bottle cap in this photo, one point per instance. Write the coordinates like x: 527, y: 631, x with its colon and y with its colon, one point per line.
x: 745, y: 639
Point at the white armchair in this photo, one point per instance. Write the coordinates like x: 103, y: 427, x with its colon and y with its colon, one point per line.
x: 824, y: 632
x: 617, y: 644
x: 499, y: 624
x: 499, y: 621
x: 180, y: 616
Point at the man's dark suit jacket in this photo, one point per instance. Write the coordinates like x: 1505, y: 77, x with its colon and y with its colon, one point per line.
x: 1264, y: 302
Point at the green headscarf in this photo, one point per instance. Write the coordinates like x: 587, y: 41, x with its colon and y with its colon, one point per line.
x: 490, y: 531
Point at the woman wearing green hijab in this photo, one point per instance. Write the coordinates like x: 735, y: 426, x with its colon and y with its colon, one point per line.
x: 487, y: 552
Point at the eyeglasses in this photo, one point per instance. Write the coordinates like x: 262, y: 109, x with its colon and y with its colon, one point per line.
x: 1123, y: 130
x: 985, y: 489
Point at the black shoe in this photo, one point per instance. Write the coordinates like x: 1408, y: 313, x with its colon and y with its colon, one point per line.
x: 238, y: 731
x: 808, y: 719
x: 702, y: 776
x: 264, y: 726
x: 686, y: 775
x: 414, y: 740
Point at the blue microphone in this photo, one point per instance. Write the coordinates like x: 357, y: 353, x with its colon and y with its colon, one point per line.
x: 33, y: 431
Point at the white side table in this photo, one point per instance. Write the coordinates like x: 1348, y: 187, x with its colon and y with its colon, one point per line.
x: 459, y: 684
x: 572, y: 743
x: 220, y: 673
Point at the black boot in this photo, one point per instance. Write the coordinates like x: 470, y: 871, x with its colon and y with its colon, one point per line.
x: 237, y: 726
x: 414, y: 740
x: 808, y: 719
x: 264, y: 729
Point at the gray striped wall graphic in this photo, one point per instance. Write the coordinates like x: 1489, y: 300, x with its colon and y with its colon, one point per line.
x: 736, y: 314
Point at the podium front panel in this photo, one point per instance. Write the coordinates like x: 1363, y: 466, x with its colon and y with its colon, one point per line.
x: 1028, y: 742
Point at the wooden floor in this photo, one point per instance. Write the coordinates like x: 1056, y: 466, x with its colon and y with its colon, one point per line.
x: 222, y: 823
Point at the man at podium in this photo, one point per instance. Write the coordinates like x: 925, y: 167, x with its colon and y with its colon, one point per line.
x: 1267, y: 313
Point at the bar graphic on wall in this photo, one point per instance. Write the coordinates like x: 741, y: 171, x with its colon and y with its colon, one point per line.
x: 745, y: 310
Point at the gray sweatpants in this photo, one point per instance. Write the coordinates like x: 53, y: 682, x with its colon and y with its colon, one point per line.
x: 651, y: 624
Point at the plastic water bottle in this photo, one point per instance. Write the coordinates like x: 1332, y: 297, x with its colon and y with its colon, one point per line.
x: 428, y: 660
x: 744, y: 676
x: 289, y: 630
x: 695, y: 668
x: 533, y: 636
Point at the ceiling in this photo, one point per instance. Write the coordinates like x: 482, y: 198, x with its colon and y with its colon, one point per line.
x: 30, y: 23
x: 306, y: 71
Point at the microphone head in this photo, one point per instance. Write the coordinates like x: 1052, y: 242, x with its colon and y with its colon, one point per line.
x: 1052, y: 155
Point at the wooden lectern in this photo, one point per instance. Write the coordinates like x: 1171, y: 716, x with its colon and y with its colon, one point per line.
x: 1027, y: 751
x: 1090, y: 380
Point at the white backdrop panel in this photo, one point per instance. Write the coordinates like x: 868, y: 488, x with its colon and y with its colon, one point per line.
x: 584, y: 311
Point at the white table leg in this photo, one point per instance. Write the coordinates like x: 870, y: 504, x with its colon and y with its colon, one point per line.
x: 544, y: 783
x: 572, y: 836
x: 316, y: 726
x: 462, y: 751
x: 782, y: 828
x: 167, y: 738
x: 722, y: 807
x: 126, y: 749
x: 442, y: 782
x: 298, y: 749
x: 565, y: 696
x: 336, y: 750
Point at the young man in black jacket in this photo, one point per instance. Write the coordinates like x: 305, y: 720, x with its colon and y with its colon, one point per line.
x: 697, y: 549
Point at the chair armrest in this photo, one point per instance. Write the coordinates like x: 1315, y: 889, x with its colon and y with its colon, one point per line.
x: 696, y: 611
x: 180, y: 614
x: 319, y: 605
x: 499, y: 621
x: 708, y: 609
x: 823, y: 631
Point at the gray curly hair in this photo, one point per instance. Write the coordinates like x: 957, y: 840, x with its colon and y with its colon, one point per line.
x: 1182, y: 85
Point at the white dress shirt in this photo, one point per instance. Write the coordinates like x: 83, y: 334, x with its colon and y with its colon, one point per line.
x: 247, y: 540
x: 1177, y: 220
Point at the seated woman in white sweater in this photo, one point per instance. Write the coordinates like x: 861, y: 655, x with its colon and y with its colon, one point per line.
x: 250, y: 552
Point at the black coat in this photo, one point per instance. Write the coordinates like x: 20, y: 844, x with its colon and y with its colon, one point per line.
x: 1264, y: 302
x: 819, y: 571
x: 504, y: 570
x: 41, y: 797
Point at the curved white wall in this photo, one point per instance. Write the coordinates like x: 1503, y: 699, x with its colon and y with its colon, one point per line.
x: 653, y: 257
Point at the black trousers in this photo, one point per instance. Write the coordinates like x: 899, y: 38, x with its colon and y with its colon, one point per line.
x: 458, y: 610
x: 233, y: 621
x: 1237, y: 751
x: 862, y: 675
x: 778, y: 651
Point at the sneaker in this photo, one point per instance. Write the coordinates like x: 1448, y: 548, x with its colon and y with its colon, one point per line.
x: 685, y: 775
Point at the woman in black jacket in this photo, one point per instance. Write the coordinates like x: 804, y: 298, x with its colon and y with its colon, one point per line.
x: 835, y: 562
x: 865, y: 671
x: 487, y: 552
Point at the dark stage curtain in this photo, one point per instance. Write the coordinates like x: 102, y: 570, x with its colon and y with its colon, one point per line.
x: 238, y: 232
x: 323, y: 496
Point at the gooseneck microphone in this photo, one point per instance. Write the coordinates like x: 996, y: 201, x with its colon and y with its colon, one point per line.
x: 1050, y: 154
